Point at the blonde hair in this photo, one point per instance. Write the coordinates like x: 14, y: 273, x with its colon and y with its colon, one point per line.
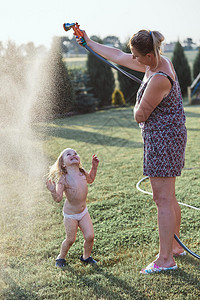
x: 57, y: 169
x: 146, y: 41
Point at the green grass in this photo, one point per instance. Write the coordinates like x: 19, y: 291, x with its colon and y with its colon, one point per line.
x: 125, y: 222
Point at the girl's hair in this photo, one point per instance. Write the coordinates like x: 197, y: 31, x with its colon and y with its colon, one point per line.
x: 57, y: 169
x: 146, y: 41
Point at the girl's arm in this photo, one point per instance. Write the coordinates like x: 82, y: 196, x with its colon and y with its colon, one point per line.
x: 113, y: 54
x: 90, y: 177
x: 56, y: 189
x: 157, y: 89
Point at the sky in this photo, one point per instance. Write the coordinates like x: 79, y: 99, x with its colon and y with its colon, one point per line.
x: 38, y: 21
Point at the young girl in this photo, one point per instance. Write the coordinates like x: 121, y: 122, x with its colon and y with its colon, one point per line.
x: 71, y: 179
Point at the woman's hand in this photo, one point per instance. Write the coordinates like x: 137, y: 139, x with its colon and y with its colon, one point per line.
x: 86, y: 38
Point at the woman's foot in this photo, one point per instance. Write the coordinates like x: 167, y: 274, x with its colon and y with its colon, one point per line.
x: 182, y: 253
x: 154, y: 268
x: 165, y: 262
x: 178, y: 251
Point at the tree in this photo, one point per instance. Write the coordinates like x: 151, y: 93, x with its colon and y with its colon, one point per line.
x: 13, y: 63
x: 188, y: 44
x: 85, y: 101
x: 112, y: 40
x: 196, y: 65
x: 128, y: 86
x: 55, y: 95
x: 182, y: 68
x: 12, y: 83
x: 101, y: 78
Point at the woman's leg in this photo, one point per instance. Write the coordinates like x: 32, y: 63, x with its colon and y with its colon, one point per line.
x: 71, y: 227
x: 177, y: 249
x: 164, y: 197
x: 86, y: 227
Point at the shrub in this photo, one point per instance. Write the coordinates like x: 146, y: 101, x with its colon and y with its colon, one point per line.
x: 118, y: 97
x: 54, y: 94
x: 85, y: 101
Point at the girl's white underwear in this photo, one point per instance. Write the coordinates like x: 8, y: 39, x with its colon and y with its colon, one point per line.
x: 77, y: 217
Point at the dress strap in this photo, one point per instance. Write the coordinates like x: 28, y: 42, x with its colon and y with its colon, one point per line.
x: 166, y: 75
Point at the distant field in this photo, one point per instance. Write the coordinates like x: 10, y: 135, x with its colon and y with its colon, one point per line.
x: 75, y: 62
x: 80, y: 61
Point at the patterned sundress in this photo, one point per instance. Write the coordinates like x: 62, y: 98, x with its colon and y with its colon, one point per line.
x: 164, y: 134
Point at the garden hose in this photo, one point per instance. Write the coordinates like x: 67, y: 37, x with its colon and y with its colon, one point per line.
x: 175, y: 236
x: 79, y: 34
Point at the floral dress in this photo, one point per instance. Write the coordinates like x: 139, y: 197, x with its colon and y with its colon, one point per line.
x: 164, y: 134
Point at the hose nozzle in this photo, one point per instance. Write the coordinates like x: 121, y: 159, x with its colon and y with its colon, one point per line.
x: 68, y: 26
x: 77, y: 32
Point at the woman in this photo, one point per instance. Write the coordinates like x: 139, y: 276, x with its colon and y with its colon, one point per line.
x: 159, y: 111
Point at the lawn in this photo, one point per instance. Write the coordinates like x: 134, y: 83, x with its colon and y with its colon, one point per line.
x: 124, y: 219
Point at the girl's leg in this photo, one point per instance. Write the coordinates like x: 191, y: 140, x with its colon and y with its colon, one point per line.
x: 86, y: 227
x: 71, y: 227
x: 164, y: 195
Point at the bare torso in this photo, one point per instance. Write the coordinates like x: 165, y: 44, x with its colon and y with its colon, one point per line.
x: 75, y: 189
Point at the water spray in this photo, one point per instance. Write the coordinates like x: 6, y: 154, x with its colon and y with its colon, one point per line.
x: 79, y: 34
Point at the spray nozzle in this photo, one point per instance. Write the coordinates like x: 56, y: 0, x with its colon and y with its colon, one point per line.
x: 68, y: 26
x: 77, y: 32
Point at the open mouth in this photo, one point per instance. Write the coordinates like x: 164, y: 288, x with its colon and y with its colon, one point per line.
x: 74, y: 158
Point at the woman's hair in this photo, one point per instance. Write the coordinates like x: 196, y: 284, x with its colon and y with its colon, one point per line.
x: 145, y: 41
x: 57, y: 169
